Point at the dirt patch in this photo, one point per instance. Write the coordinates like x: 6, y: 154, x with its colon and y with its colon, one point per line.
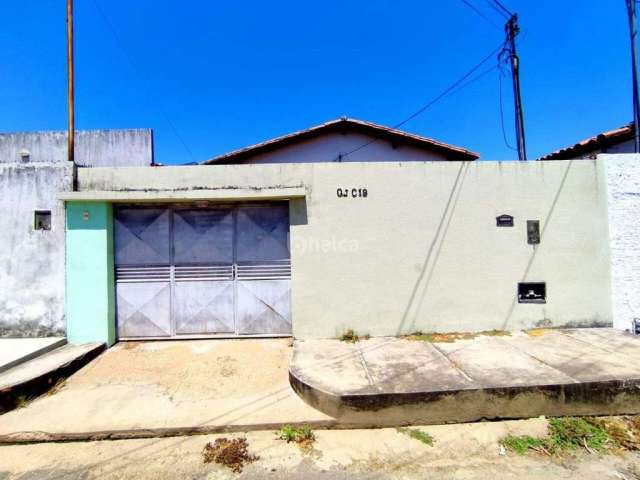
x: 188, y: 369
x: 451, y: 337
x: 538, y: 332
x: 230, y: 453
x: 351, y: 336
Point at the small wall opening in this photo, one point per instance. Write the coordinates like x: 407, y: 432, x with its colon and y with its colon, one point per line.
x: 532, y: 292
x: 42, y: 220
x: 533, y: 232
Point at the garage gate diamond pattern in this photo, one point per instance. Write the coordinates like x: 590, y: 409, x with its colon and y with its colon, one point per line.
x: 203, y: 271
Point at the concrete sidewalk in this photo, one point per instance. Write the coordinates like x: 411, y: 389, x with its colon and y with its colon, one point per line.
x: 155, y: 389
x: 546, y: 372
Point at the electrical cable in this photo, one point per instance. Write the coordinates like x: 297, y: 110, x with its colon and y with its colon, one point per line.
x: 479, y: 12
x: 137, y: 72
x: 454, y: 86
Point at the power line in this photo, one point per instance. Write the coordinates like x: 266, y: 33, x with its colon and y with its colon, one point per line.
x: 140, y: 77
x: 503, y: 8
x: 450, y: 89
x: 479, y: 12
x: 497, y: 9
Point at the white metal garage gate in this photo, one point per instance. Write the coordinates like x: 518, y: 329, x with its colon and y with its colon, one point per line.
x: 187, y: 271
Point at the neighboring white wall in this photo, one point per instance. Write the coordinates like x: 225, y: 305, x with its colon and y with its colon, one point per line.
x: 32, y: 261
x: 623, y: 182
x: 422, y: 250
x: 327, y: 147
x: 129, y: 147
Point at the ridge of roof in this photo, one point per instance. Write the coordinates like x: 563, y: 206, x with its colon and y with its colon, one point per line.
x: 300, y: 135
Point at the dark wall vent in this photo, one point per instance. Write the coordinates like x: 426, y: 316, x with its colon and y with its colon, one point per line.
x: 532, y: 292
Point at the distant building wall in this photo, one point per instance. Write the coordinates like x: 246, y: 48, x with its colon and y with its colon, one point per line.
x: 94, y: 148
x: 422, y: 251
x: 623, y: 194
x: 327, y: 147
x: 33, y: 169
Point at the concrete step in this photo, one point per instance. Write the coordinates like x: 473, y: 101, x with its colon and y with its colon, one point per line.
x: 14, y: 351
x: 34, y: 377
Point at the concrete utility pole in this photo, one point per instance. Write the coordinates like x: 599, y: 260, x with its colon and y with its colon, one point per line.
x: 70, y: 95
x: 512, y: 30
x: 633, y: 30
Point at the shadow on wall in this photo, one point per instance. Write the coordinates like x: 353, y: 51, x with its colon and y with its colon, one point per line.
x: 545, y: 223
x: 421, y: 287
x: 433, y: 251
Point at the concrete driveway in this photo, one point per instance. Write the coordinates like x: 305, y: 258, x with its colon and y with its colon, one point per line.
x: 167, y: 385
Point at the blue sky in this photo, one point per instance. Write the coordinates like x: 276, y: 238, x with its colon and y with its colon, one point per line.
x: 210, y: 77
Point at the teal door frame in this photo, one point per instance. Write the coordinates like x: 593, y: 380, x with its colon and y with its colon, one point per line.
x: 89, y: 273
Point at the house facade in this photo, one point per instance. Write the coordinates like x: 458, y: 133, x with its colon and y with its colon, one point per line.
x: 418, y: 237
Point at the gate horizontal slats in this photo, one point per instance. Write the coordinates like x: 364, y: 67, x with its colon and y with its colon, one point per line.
x: 184, y: 273
x: 266, y: 271
x: 143, y: 274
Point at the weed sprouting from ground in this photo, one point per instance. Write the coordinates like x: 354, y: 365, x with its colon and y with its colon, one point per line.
x: 231, y: 453
x: 21, y: 401
x: 566, y: 435
x: 521, y: 444
x: 57, y: 387
x: 624, y: 431
x: 451, y: 337
x: 303, y: 436
x: 350, y: 336
x: 416, y: 434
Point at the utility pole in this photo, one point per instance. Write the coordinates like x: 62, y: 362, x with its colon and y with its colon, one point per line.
x: 633, y: 30
x: 512, y: 31
x: 70, y: 95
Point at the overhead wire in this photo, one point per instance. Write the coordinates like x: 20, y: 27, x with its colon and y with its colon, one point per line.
x: 497, y: 9
x: 503, y: 8
x: 480, y: 14
x: 140, y: 77
x: 450, y: 89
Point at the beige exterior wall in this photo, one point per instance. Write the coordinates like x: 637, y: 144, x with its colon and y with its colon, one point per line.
x: 327, y: 148
x: 422, y: 250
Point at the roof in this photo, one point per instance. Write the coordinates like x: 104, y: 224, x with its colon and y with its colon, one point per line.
x: 342, y: 125
x: 598, y: 142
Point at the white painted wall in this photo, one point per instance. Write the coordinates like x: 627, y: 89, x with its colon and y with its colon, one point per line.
x: 327, y: 147
x: 422, y: 250
x: 623, y: 195
x: 125, y: 147
x: 32, y: 261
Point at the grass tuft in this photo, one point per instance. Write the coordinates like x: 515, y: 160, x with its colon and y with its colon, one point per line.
x: 303, y: 436
x: 350, y: 336
x: 416, y: 434
x: 451, y: 337
x: 564, y: 435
